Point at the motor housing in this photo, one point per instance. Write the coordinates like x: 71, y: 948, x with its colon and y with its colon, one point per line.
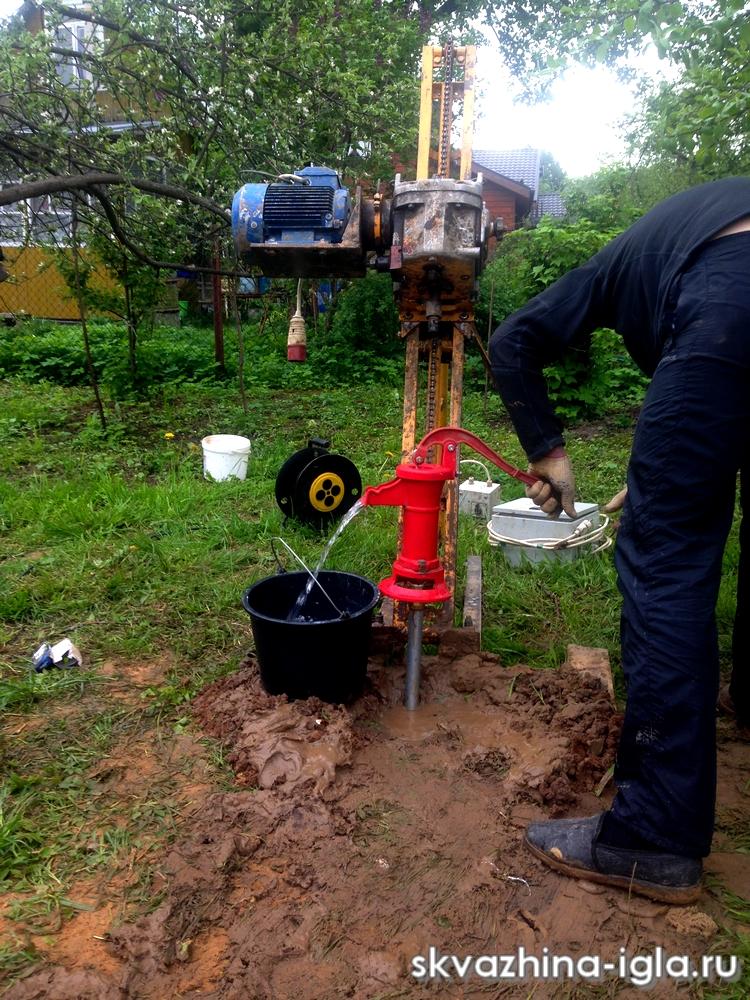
x: 313, y: 208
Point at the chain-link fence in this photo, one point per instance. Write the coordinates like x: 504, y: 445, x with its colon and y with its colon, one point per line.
x: 32, y: 286
x: 35, y: 287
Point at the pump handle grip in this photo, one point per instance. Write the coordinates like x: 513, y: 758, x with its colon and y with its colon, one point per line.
x: 457, y: 435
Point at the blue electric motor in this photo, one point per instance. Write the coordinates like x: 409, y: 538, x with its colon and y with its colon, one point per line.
x: 312, y: 208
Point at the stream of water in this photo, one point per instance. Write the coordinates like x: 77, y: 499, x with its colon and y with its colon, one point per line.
x: 296, y: 613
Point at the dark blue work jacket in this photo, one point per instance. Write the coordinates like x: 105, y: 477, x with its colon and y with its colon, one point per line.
x: 630, y: 286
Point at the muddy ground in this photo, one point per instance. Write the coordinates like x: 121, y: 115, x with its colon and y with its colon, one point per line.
x: 356, y: 838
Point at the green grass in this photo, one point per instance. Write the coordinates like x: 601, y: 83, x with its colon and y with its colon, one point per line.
x: 56, y: 820
x: 116, y: 541
x: 731, y: 942
x: 21, y: 689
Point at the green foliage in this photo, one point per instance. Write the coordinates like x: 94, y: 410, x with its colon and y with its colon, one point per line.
x: 582, y: 31
x: 597, y: 379
x: 696, y: 123
x: 588, y: 380
x: 700, y: 124
x: 528, y: 260
x: 552, y: 174
x: 54, y: 351
x: 361, y: 347
x: 362, y: 342
x: 614, y: 197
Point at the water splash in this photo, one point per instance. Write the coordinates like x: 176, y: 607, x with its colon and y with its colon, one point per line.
x: 296, y: 613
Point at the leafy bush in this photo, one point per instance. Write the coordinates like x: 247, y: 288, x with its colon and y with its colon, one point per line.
x: 589, y: 380
x: 54, y: 351
x: 361, y: 346
x: 38, y: 349
x: 529, y: 260
x: 362, y: 343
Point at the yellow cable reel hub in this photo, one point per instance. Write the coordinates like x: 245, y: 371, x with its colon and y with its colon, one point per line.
x: 316, y: 486
x: 327, y: 491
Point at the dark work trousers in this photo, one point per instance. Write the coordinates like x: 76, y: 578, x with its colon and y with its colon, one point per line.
x: 739, y: 687
x: 692, y: 437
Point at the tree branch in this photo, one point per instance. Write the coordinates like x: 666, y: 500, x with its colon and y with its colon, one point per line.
x: 79, y: 14
x: 158, y: 265
x: 77, y: 182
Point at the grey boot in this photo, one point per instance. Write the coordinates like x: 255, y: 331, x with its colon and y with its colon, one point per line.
x: 571, y: 846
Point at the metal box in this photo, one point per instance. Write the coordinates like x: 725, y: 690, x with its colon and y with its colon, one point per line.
x: 521, y: 520
x: 478, y: 498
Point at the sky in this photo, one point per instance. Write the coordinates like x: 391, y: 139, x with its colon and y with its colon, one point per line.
x: 578, y: 125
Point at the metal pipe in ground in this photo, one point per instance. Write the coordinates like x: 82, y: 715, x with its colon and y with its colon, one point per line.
x: 414, y: 656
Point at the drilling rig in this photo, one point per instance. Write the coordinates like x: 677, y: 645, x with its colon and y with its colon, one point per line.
x: 432, y: 237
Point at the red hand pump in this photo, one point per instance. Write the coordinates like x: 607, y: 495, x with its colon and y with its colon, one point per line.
x: 418, y: 575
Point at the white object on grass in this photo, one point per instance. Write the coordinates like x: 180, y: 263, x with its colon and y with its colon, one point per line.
x: 524, y: 532
x: 225, y: 456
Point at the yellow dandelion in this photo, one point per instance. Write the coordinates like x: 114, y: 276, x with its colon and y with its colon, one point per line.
x: 168, y: 436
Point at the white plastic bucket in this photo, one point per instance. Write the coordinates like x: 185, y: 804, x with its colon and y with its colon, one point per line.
x: 225, y: 456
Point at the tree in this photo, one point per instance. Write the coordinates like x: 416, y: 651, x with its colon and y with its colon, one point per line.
x: 552, y: 174
x: 697, y: 125
x: 206, y: 97
x: 540, y: 37
x: 700, y: 122
x: 148, y: 116
x: 694, y: 128
x: 615, y: 196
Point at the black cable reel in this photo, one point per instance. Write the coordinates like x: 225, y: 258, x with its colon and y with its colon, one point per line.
x: 317, y: 487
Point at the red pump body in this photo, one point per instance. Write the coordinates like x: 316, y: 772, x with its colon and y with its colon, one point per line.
x: 418, y: 575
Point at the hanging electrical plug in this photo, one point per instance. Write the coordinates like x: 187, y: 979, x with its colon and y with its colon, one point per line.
x: 296, y: 344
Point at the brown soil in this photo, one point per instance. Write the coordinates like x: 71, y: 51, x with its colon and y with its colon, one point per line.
x: 356, y: 838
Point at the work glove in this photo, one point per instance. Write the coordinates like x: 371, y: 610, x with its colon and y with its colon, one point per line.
x: 616, y: 502
x: 556, y: 489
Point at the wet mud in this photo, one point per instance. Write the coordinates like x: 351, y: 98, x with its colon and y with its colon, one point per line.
x: 355, y: 838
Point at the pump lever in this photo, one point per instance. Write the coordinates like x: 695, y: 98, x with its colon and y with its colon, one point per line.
x: 448, y: 436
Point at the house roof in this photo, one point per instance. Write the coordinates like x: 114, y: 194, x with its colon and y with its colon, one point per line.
x: 521, y: 165
x: 549, y: 204
x: 520, y: 190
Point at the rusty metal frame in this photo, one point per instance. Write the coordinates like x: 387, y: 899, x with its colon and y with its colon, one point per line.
x: 425, y: 113
x: 433, y: 92
x: 467, y: 140
x: 443, y: 349
x: 454, y: 405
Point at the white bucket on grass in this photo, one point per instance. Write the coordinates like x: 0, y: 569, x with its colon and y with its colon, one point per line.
x: 225, y: 456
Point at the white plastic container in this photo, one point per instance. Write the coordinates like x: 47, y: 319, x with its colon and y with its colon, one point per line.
x: 478, y: 498
x: 520, y: 520
x: 225, y: 456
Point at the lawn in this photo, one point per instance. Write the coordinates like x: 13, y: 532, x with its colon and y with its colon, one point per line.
x: 118, y: 542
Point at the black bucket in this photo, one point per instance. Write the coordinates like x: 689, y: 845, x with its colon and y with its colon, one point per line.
x: 325, y: 656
